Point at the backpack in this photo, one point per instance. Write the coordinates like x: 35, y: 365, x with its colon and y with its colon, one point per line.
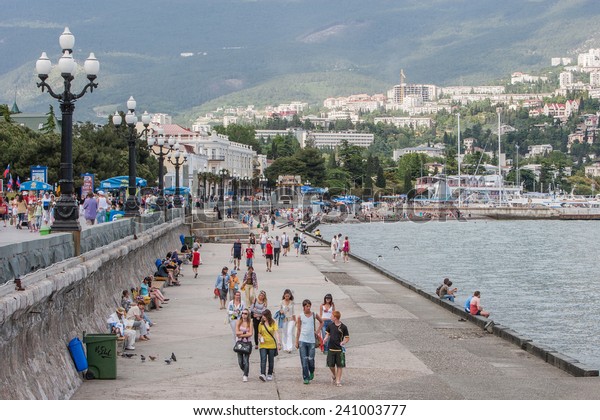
x: 437, y: 291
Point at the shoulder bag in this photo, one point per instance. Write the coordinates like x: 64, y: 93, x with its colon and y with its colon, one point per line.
x: 267, y: 329
x: 243, y: 347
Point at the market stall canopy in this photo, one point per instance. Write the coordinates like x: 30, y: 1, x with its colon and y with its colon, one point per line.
x: 182, y: 190
x: 118, y: 182
x: 35, y: 186
x: 307, y: 189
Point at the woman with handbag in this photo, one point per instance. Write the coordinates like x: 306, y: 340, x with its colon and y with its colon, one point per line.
x: 269, y: 344
x: 243, y: 332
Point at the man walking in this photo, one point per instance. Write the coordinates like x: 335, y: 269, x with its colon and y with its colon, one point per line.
x: 306, y: 335
x: 337, y: 336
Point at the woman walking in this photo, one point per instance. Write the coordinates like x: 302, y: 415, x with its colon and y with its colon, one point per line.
x: 234, y: 312
x: 269, y: 254
x: 21, y: 211
x: 269, y: 342
x: 249, y: 285
x: 326, y: 310
x: 257, y: 308
x: 222, y: 285
x: 243, y: 332
x: 346, y: 249
x: 286, y: 308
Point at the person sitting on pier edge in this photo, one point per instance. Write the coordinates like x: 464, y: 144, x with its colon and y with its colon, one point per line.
x: 467, y: 306
x: 445, y: 292
x: 476, y: 308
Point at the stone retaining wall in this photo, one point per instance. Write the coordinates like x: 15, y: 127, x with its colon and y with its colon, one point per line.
x: 63, y: 301
x: 20, y: 259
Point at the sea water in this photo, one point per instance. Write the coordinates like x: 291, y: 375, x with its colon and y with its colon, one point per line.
x: 540, y: 278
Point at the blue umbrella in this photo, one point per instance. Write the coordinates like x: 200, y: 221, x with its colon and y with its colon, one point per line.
x: 35, y: 186
x: 182, y: 190
x: 117, y: 182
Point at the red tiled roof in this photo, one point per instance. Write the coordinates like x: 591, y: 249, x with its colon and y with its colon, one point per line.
x: 176, y: 130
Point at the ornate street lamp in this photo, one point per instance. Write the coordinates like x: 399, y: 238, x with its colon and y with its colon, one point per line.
x: 223, y: 172
x: 132, y: 205
x: 66, y: 212
x: 177, y: 161
x: 159, y: 141
x: 263, y: 180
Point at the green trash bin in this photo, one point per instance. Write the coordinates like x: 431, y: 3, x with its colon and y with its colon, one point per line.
x: 189, y: 241
x: 101, y: 352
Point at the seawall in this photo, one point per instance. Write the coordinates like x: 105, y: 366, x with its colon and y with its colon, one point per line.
x: 64, y: 300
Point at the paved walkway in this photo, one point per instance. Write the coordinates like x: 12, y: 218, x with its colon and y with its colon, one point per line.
x: 402, y: 346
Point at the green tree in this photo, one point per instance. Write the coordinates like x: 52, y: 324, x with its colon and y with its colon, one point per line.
x: 314, y: 164
x: 50, y: 124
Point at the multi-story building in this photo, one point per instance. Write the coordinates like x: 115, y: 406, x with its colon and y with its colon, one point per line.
x: 589, y: 61
x: 465, y: 90
x: 595, y: 79
x: 397, y: 94
x: 334, y: 139
x: 593, y: 170
x: 565, y: 79
x: 539, y: 150
x: 519, y: 77
x: 406, y: 121
x: 436, y: 151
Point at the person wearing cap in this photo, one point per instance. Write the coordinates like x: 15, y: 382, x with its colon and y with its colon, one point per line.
x: 234, y: 283
x: 102, y: 207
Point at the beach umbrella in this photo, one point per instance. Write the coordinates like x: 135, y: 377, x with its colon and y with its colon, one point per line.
x: 35, y: 186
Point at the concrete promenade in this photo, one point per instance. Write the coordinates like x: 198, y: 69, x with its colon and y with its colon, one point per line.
x: 402, y: 346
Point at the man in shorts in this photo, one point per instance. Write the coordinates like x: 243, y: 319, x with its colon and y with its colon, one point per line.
x: 476, y: 308
x: 337, y: 336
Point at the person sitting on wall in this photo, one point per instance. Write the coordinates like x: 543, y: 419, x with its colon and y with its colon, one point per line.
x: 116, y: 325
x: 445, y: 292
x: 476, y: 308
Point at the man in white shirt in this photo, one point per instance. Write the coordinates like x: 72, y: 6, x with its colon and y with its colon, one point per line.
x: 102, y: 207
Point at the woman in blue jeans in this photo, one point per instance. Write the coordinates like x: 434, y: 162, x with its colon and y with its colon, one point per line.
x: 268, y: 337
x: 327, y: 308
x: 306, y: 339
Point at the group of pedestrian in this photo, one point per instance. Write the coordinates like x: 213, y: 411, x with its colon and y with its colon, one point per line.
x: 340, y: 247
x: 254, y: 323
x: 27, y: 210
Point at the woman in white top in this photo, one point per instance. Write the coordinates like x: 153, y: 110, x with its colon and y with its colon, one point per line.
x: 327, y: 308
x: 334, y: 248
x: 286, y: 308
x: 234, y: 312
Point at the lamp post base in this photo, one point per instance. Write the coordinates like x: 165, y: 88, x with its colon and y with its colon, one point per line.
x: 66, y: 215
x: 132, y: 207
x: 177, y: 202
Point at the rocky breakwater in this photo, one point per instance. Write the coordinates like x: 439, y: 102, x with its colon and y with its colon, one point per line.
x: 62, y: 301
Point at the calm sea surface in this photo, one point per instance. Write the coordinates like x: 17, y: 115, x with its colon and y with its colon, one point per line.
x: 540, y: 278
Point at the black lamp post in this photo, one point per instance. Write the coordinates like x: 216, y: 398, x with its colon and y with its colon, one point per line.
x: 223, y: 173
x: 132, y: 204
x: 159, y: 141
x: 66, y: 212
x: 178, y: 161
x: 263, y: 180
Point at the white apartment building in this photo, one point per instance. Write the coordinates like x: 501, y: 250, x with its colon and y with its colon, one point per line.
x: 589, y: 61
x: 519, y: 77
x: 557, y: 61
x: 429, y: 151
x: 565, y: 79
x: 161, y: 119
x: 421, y: 122
x: 539, y: 150
x: 595, y: 79
x: 465, y: 90
x: 593, y: 170
x: 397, y: 94
x: 334, y: 139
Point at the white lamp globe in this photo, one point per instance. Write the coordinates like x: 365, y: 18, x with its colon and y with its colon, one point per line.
x: 116, y: 119
x: 43, y: 65
x: 91, y: 65
x: 131, y: 103
x: 67, y: 40
x: 66, y: 64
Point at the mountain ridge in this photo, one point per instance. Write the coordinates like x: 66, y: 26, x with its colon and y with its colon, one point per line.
x: 241, y: 45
